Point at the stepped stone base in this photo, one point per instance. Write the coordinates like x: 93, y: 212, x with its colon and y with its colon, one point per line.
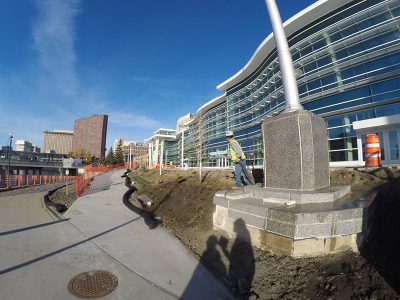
x: 300, y: 230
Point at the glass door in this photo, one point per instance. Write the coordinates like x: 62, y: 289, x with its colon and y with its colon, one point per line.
x: 393, y: 151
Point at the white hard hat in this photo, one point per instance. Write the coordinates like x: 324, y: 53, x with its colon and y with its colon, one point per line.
x: 229, y: 133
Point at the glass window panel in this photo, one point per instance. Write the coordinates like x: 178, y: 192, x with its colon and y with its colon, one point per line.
x: 335, y: 37
x: 337, y: 144
x: 348, y: 31
x: 388, y: 110
x: 310, y: 67
x: 342, y: 144
x: 302, y: 89
x: 305, y: 51
x: 394, y: 145
x: 347, y: 73
x: 364, y: 24
x: 295, y: 56
x: 348, y: 155
x: 319, y: 44
x: 326, y: 80
x: 336, y: 121
x: 341, y: 54
x: 314, y: 84
x: 396, y: 12
x: 324, y: 61
x: 381, y: 18
x: 336, y: 133
x: 356, y: 49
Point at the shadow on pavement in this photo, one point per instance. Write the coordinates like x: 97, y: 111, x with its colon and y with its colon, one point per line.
x: 148, y: 217
x: 31, y: 227
x: 30, y: 262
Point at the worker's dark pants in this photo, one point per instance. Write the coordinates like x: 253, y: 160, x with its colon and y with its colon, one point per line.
x: 239, y: 168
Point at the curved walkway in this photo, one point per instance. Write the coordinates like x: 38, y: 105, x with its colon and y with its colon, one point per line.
x: 39, y: 254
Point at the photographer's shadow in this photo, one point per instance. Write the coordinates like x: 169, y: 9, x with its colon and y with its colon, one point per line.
x: 241, y: 259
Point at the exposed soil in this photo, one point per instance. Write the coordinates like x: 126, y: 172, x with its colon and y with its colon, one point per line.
x: 64, y: 196
x: 184, y: 203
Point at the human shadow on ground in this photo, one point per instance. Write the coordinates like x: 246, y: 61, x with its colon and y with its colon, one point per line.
x: 241, y: 259
x: 383, y: 238
x: 239, y: 275
x: 198, y: 286
x: 148, y: 217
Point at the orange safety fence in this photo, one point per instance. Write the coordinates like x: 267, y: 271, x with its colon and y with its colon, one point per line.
x: 165, y: 167
x: 83, y: 180
x: 15, y: 181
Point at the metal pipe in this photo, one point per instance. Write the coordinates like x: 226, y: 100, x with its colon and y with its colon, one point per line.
x: 285, y: 59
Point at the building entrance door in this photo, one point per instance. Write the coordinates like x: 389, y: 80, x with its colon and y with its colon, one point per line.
x: 391, y: 140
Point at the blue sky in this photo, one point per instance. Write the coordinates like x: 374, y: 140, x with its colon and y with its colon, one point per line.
x: 143, y: 63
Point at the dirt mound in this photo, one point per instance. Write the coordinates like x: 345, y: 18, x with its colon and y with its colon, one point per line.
x: 184, y: 202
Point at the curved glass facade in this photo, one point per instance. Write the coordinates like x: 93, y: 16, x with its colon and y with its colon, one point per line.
x: 349, y: 61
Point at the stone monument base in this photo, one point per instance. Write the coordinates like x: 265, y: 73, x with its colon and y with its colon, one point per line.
x: 297, y: 230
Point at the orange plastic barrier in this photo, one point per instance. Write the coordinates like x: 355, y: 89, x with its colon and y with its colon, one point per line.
x: 372, y: 150
x: 12, y: 181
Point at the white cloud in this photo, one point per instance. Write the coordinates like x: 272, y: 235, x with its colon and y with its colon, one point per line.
x: 132, y: 120
x: 53, y: 35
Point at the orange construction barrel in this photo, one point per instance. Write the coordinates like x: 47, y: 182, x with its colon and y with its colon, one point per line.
x: 372, y: 150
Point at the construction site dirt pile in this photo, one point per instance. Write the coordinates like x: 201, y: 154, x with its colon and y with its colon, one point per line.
x: 183, y: 200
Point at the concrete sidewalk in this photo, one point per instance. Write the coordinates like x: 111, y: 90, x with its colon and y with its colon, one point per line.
x: 39, y: 255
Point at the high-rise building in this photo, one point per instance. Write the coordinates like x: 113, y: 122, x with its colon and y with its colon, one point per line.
x: 90, y: 135
x: 59, y: 141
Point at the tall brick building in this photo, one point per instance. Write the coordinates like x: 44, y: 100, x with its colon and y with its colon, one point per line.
x: 90, y: 135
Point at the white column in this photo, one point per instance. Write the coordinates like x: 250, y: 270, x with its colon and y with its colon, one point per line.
x: 285, y: 59
x: 183, y: 141
x: 161, y: 154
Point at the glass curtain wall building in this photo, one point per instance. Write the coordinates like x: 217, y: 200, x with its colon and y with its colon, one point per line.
x: 347, y: 58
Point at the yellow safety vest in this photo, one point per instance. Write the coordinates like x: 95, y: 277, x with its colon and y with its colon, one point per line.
x: 233, y: 153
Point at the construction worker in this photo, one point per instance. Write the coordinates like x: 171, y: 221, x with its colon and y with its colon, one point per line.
x: 236, y: 154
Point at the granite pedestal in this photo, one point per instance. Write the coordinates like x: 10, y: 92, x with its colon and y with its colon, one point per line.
x: 296, y: 151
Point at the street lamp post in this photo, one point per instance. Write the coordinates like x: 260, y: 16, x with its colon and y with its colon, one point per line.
x: 285, y: 59
x: 9, y: 160
x: 295, y: 142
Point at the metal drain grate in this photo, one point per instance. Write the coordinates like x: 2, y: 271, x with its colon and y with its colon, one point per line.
x: 93, y: 284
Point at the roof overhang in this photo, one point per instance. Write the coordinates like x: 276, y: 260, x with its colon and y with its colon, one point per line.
x: 377, y: 123
x: 303, y: 18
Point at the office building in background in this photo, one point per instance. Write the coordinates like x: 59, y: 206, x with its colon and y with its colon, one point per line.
x: 90, y: 135
x: 59, y: 141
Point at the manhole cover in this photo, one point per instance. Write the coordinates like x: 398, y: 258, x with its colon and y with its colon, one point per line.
x: 93, y: 284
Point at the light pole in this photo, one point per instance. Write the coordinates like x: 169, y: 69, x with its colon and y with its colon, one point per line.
x: 285, y: 59
x: 9, y: 159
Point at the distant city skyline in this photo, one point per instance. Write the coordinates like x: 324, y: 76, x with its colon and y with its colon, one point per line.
x: 144, y: 64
